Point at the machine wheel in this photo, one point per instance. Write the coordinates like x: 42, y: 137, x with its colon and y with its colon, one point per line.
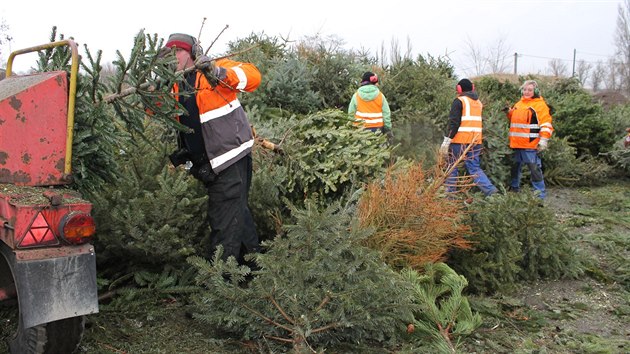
x: 62, y: 336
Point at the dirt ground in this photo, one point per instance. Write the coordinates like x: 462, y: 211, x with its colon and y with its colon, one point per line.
x: 590, y: 314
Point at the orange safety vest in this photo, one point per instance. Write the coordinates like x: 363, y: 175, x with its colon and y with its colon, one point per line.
x: 470, y: 128
x: 530, y: 121
x: 370, y: 113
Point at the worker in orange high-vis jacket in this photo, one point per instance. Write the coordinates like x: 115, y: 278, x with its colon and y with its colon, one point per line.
x: 530, y: 131
x: 220, y: 142
x: 465, y: 125
x: 369, y: 108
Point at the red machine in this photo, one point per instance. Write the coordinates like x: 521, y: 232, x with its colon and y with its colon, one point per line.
x: 48, y: 266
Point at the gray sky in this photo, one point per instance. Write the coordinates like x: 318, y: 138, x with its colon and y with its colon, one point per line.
x: 537, y: 30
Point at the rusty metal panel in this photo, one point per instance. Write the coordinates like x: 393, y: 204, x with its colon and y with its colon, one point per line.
x: 50, y: 289
x: 25, y: 210
x: 33, y: 129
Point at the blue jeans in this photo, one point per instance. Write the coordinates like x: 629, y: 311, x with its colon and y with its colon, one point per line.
x: 471, y: 161
x: 530, y: 158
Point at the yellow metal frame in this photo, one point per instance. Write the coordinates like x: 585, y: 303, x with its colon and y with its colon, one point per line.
x: 74, y: 70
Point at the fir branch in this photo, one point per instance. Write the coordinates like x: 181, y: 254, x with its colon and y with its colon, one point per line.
x: 267, y: 319
x: 280, y: 339
x: 279, y: 308
x: 323, y: 303
x: 326, y: 327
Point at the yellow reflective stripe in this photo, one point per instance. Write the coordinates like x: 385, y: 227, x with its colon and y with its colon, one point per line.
x: 227, y: 156
x: 220, y: 112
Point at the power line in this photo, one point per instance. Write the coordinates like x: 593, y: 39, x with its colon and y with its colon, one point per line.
x: 597, y: 55
x: 566, y: 60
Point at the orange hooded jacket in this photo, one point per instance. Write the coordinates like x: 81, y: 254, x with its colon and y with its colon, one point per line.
x: 226, y: 131
x: 530, y: 121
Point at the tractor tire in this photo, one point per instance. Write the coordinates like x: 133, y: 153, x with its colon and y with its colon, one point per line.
x: 62, y: 336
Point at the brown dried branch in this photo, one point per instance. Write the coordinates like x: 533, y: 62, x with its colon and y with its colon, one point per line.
x: 415, y: 223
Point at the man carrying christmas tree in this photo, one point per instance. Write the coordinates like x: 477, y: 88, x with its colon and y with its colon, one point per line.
x: 220, y: 143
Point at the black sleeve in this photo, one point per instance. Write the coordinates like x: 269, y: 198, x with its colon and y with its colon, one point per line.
x: 454, y: 119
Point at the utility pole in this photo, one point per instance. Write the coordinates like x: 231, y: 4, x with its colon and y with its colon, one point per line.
x: 574, y: 52
x: 515, y: 62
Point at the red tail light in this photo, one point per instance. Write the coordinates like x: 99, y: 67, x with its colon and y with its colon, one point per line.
x: 77, y: 228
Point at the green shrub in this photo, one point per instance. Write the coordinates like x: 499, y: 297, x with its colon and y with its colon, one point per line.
x: 562, y: 167
x: 445, y: 315
x: 514, y: 239
x: 315, y: 288
x: 153, y: 215
x: 579, y: 119
x: 325, y: 156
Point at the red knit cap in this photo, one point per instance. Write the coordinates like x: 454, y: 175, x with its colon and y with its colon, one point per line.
x: 180, y: 40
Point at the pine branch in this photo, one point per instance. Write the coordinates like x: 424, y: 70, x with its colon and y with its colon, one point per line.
x: 444, y: 332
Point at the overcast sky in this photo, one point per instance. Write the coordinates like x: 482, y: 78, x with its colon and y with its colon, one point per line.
x: 537, y: 30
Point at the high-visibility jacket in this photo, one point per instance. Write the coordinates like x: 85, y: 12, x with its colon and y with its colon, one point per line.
x: 369, y: 113
x: 226, y: 131
x: 530, y: 121
x: 471, y: 127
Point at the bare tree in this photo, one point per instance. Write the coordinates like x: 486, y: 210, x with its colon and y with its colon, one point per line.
x: 622, y: 41
x: 558, y: 68
x: 475, y: 57
x: 598, y: 76
x: 612, y: 81
x: 498, y: 56
x: 582, y: 71
x: 4, y: 36
x: 495, y: 60
x: 395, y: 58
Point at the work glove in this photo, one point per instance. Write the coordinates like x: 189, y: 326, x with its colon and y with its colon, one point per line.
x: 209, y: 69
x: 203, y: 173
x: 444, y: 147
x: 542, y: 145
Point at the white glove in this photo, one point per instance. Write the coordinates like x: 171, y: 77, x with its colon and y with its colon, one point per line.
x: 444, y: 147
x: 542, y: 145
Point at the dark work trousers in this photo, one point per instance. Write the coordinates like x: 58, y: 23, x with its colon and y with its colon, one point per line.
x: 228, y: 211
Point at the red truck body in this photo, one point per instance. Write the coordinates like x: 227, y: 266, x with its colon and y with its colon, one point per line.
x: 46, y: 265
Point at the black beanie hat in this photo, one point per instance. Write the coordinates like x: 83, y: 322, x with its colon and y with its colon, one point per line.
x: 465, y: 84
x: 369, y: 78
